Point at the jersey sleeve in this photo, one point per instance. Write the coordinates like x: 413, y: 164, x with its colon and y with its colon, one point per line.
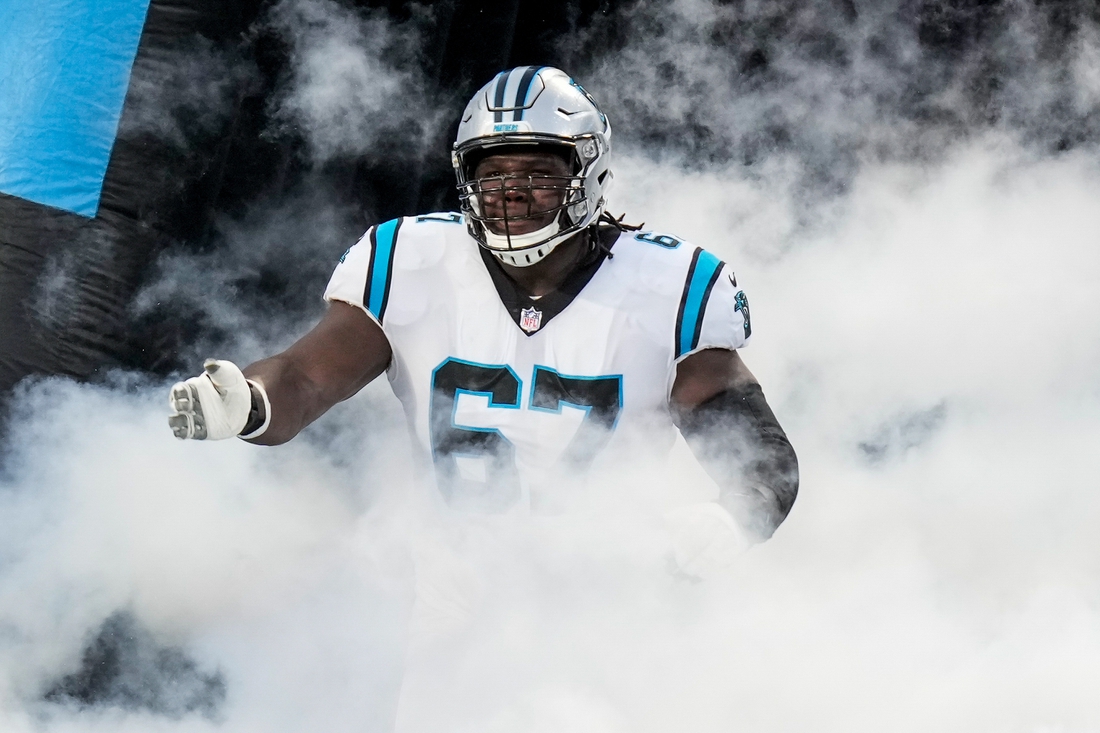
x: 364, y: 274
x: 714, y: 311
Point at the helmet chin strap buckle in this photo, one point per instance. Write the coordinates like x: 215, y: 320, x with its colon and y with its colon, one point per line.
x: 525, y: 258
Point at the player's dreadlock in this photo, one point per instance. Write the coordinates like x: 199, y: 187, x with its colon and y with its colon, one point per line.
x: 606, y: 218
x: 606, y: 221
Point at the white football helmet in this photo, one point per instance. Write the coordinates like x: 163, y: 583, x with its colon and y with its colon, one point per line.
x: 533, y: 105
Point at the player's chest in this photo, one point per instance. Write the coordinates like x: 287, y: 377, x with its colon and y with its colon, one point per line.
x: 598, y: 334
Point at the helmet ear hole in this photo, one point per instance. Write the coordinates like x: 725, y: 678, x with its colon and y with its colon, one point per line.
x: 602, y: 176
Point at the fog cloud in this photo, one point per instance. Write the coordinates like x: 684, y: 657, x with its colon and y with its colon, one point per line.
x: 923, y: 281
x: 355, y: 88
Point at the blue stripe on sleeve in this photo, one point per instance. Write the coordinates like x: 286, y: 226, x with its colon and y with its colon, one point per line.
x: 384, y: 239
x: 695, y: 301
x: 64, y: 70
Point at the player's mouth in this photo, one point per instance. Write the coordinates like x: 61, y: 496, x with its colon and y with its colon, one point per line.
x: 519, y: 220
x: 520, y: 214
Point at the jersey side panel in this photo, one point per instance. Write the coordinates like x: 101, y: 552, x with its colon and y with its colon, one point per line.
x: 442, y: 306
x: 456, y: 344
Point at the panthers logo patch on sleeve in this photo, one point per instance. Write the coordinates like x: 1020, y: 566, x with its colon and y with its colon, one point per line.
x: 742, y: 305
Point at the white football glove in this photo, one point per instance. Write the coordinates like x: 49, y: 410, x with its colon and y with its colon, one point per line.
x: 706, y: 539
x: 211, y: 406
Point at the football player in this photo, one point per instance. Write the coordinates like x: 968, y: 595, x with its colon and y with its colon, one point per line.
x: 530, y: 334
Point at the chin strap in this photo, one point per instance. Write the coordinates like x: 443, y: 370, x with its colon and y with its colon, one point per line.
x: 510, y: 249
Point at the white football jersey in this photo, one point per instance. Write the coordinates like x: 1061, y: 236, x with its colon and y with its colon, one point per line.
x: 504, y: 393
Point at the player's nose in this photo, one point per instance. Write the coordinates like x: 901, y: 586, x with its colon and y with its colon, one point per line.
x: 516, y: 194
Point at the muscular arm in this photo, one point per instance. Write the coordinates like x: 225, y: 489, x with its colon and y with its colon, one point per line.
x: 337, y: 358
x: 721, y: 412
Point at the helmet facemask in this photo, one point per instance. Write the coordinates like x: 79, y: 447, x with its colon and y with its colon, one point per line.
x: 493, y: 224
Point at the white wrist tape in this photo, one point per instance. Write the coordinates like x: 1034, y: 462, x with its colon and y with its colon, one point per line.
x: 267, y: 412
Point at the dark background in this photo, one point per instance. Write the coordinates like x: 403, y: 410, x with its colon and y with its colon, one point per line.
x: 68, y: 284
x: 230, y: 196
x: 160, y: 196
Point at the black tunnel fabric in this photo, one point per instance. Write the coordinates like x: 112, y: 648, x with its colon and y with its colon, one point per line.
x: 68, y: 280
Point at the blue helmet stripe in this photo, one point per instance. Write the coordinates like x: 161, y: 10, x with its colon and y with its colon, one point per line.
x: 380, y: 271
x: 498, y: 95
x: 702, y: 275
x: 523, y: 91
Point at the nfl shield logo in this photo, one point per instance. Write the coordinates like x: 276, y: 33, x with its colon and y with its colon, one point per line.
x: 530, y: 319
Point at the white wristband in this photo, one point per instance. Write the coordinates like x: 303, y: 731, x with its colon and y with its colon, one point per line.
x: 267, y: 412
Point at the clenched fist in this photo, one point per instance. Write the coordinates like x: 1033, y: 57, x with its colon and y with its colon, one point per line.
x: 211, y: 406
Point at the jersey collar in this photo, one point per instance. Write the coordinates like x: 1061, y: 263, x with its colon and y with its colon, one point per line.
x: 531, y: 315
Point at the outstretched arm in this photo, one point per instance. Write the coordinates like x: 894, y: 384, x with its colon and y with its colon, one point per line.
x: 721, y: 412
x: 336, y: 359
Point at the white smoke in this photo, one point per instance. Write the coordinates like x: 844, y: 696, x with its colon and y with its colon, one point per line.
x: 355, y: 88
x: 258, y: 562
x: 925, y: 335
x: 183, y: 93
x: 354, y: 94
x: 289, y: 246
x: 1086, y: 69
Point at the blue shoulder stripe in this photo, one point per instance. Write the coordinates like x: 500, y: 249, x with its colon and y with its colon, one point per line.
x: 701, y: 277
x: 383, y: 241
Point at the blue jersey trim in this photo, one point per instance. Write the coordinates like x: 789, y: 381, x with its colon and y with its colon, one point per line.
x: 447, y: 217
x: 479, y: 393
x: 64, y: 71
x: 380, y: 272
x: 489, y: 397
x: 702, y: 275
x: 562, y: 402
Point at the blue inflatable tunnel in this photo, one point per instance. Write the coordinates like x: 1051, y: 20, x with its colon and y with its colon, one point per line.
x: 83, y: 209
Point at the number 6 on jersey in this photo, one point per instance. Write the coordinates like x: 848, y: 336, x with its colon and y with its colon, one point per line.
x: 600, y: 397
